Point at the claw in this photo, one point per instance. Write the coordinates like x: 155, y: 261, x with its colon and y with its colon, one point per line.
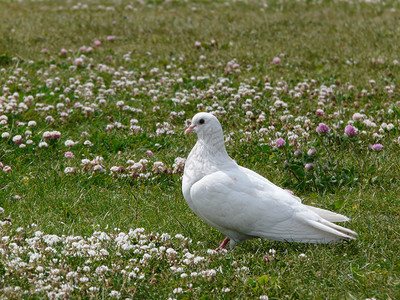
x: 223, y: 244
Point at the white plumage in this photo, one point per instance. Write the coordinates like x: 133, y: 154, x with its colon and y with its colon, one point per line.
x: 241, y: 203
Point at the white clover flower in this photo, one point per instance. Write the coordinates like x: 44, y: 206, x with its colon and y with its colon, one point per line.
x: 226, y: 290
x: 99, y: 168
x: 49, y: 119
x: 69, y: 170
x: 88, y: 143
x: 165, y: 237
x: 51, y: 239
x: 179, y: 165
x: 358, y: 117
x: 114, y: 169
x: 109, y: 127
x: 39, y: 269
x: 146, y: 258
x: 47, y: 135
x: 86, y: 162
x: 17, y: 139
x: 198, y: 259
x: 70, y: 143
x: 104, y: 252
x: 102, y: 269
x: 5, y: 135
x: 34, y: 257
x: 302, y: 255
x: 209, y: 273
x: 171, y: 251
x: 43, y: 145
x: 177, y: 291
x: 32, y: 124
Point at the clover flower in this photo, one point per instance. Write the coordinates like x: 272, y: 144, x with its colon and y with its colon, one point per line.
x: 350, y: 131
x: 280, y: 143
x: 309, y: 166
x: 323, y: 129
x: 377, y: 147
x: 17, y: 139
x: 179, y: 165
x: 319, y: 113
x: 177, y: 291
x: 70, y: 143
x: 276, y: 61
x: 32, y: 124
x: 69, y: 170
x: 78, y: 62
x: 69, y: 154
x: 358, y: 117
x: 115, y: 294
x: 311, y: 152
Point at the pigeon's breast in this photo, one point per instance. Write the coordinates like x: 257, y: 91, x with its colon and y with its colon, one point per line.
x: 199, y: 164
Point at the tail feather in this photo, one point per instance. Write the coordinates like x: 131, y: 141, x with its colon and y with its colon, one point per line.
x: 328, y: 215
x: 341, y: 229
x: 329, y: 228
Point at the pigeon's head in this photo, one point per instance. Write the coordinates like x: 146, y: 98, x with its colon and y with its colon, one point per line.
x: 205, y: 125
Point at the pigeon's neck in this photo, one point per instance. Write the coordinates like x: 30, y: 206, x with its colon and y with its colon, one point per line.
x: 212, y: 146
x: 207, y: 156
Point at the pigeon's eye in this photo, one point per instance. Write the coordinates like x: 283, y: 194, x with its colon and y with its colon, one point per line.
x: 201, y: 121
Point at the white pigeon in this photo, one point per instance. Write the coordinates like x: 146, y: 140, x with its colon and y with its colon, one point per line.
x: 243, y: 204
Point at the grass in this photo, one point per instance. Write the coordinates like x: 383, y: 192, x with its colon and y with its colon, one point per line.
x: 332, y: 43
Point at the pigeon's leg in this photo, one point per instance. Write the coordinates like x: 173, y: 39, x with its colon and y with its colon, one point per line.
x: 223, y: 244
x: 232, y: 244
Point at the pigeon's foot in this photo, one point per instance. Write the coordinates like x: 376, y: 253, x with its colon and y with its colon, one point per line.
x: 223, y: 244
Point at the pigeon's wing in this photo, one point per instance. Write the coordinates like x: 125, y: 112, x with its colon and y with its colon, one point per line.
x: 234, y: 201
x: 267, y: 182
x: 326, y: 214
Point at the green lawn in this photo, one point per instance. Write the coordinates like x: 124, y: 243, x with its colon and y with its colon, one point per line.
x: 101, y: 159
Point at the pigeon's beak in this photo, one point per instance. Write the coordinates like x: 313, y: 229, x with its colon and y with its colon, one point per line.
x: 190, y: 129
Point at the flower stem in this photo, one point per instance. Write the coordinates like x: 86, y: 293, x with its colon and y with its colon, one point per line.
x: 358, y: 161
x: 327, y: 150
x: 291, y: 171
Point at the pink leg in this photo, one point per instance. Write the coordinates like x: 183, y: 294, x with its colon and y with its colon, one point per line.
x: 223, y: 244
